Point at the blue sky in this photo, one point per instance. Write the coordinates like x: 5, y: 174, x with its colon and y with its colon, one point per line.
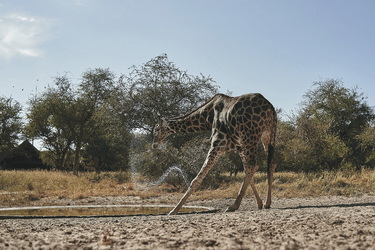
x: 277, y: 48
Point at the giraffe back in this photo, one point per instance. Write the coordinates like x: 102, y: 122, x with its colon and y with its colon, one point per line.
x: 242, y: 120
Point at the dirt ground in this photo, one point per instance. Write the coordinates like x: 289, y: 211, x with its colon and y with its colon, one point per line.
x: 298, y: 223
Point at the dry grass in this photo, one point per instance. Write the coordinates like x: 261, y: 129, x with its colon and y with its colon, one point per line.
x: 23, y: 187
x: 290, y: 184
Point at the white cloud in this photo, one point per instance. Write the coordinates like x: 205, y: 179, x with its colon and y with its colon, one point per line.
x: 23, y: 35
x: 80, y: 2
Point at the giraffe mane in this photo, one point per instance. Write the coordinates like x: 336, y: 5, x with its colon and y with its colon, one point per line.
x: 194, y: 110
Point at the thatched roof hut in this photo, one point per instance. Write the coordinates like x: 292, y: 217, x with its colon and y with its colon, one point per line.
x: 25, y: 156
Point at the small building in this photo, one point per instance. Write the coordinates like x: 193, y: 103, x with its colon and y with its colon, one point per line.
x: 23, y: 157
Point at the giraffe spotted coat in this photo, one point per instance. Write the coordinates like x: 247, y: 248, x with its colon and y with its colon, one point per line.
x: 236, y: 124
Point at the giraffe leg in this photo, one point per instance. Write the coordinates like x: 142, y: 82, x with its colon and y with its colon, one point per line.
x: 268, y: 139
x: 241, y: 193
x: 259, y: 200
x: 210, y: 160
x: 249, y: 179
x: 270, y: 179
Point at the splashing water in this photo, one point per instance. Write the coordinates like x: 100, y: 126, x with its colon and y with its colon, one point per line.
x: 136, y: 176
x: 170, y: 170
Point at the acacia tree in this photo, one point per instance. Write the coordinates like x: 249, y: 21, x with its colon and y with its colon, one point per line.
x: 10, y: 124
x: 107, y: 147
x: 48, y: 120
x: 347, y: 111
x: 93, y: 91
x: 159, y: 89
x: 63, y: 116
x: 330, y: 131
x: 325, y: 150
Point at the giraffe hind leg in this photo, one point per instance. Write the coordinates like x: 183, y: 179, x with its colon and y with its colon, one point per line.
x: 268, y: 139
x: 270, y: 178
x: 241, y: 193
x: 259, y: 200
x: 248, y: 180
x: 250, y: 170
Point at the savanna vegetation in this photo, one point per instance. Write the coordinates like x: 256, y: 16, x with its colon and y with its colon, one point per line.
x: 96, y: 131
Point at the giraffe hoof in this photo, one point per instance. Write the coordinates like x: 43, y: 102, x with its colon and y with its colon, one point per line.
x: 172, y: 212
x: 229, y: 209
x: 267, y: 207
x: 260, y: 206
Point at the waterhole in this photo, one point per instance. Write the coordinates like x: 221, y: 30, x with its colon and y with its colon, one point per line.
x: 94, y: 211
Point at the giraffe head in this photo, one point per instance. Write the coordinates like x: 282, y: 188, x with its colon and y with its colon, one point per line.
x: 160, y: 133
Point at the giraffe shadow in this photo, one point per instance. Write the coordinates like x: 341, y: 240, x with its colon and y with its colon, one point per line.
x: 366, y: 204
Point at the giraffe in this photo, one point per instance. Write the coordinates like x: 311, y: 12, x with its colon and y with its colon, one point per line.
x: 236, y: 124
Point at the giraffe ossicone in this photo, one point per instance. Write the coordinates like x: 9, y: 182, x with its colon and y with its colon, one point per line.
x: 236, y: 124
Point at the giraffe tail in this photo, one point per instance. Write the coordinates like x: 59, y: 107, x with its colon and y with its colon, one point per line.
x: 271, y: 152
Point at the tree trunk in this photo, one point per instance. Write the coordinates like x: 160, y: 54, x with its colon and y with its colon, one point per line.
x: 76, y: 157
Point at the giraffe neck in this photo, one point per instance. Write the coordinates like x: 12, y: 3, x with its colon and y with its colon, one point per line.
x: 188, y: 124
x: 200, y: 119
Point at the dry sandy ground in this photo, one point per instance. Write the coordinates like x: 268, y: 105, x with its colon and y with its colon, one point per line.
x: 298, y: 223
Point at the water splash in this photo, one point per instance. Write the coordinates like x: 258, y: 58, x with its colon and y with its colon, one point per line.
x: 170, y: 170
x: 136, y: 176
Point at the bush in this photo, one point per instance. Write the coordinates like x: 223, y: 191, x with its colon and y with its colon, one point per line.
x: 308, y: 145
x: 153, y: 163
x: 192, y: 156
x: 367, y: 145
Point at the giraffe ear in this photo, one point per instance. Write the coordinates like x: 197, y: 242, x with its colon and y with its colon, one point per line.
x: 163, y: 122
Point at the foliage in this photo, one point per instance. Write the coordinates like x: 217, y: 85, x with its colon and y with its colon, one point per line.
x: 159, y: 89
x: 347, y: 111
x: 291, y: 149
x: 49, y: 119
x: 10, y: 124
x: 96, y: 115
x: 307, y: 146
x: 190, y: 158
x: 152, y: 163
x: 67, y: 118
x: 367, y: 144
x: 329, y: 131
x: 108, y: 149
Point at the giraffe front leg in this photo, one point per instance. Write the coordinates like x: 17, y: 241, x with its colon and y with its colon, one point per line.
x: 193, y: 186
x: 210, y: 160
